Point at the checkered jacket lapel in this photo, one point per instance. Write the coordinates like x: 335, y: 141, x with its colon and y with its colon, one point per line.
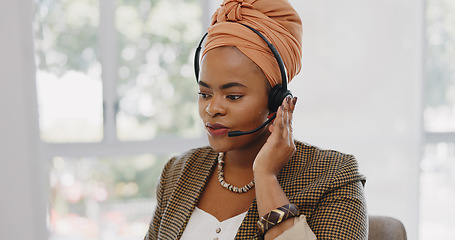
x: 188, y: 188
x: 247, y: 229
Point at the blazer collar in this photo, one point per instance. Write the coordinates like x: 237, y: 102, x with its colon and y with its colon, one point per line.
x: 190, y: 185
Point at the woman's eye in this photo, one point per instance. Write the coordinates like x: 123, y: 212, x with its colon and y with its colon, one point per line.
x: 203, y: 95
x: 234, y: 97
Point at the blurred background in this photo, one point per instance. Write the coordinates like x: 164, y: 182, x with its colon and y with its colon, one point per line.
x: 96, y: 95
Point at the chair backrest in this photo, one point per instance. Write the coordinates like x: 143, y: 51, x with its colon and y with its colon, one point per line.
x: 386, y: 228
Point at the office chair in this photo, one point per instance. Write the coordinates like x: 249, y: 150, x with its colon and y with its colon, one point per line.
x: 386, y: 228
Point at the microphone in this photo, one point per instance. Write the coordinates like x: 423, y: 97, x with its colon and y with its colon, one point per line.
x: 240, y: 133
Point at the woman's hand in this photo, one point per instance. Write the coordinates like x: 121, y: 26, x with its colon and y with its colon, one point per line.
x: 279, y: 148
x: 272, y: 157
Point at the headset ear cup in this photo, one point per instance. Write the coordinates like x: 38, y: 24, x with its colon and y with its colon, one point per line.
x: 277, y: 95
x: 273, y: 107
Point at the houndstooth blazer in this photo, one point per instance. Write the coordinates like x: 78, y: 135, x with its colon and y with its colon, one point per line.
x: 324, y: 184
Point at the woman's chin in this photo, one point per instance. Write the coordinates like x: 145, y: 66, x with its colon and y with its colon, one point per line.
x: 219, y: 146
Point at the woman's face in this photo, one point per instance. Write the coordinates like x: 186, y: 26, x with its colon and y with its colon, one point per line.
x: 233, y: 95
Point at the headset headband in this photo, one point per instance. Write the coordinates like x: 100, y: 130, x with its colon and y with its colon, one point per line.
x: 272, y: 48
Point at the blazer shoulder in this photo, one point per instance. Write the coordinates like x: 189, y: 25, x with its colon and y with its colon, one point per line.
x: 191, y: 155
x: 176, y: 165
x: 331, y: 162
x: 326, y: 157
x: 320, y: 153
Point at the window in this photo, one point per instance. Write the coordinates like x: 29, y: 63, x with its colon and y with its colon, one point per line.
x: 437, y: 178
x: 102, y: 197
x: 117, y: 98
x: 69, y: 71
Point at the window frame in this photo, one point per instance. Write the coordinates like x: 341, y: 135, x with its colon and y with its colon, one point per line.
x: 438, y: 137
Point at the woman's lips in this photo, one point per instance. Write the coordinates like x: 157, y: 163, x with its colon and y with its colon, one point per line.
x: 216, y: 129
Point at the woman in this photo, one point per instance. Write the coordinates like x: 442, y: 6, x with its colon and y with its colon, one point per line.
x: 291, y: 190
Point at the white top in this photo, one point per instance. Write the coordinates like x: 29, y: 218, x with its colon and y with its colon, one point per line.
x: 203, y: 226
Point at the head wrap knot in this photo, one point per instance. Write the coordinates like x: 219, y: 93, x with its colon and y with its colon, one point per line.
x: 275, y: 19
x: 231, y: 11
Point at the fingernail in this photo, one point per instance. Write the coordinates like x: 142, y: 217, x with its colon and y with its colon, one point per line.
x: 294, y: 101
x: 288, y: 99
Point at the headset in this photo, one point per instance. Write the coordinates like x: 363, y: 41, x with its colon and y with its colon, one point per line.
x: 278, y: 92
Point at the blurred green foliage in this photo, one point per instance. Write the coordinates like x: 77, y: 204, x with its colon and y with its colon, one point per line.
x: 440, y: 53
x: 66, y: 35
x: 157, y: 40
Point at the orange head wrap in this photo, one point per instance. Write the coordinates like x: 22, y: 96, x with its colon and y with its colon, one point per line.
x: 275, y: 19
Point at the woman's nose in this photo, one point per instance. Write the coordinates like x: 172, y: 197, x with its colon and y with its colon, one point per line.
x: 215, y: 108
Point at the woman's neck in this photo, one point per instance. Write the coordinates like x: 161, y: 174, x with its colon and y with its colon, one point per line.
x: 244, y: 157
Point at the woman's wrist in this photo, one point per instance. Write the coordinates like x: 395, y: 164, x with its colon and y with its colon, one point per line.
x: 269, y: 193
x: 270, y: 196
x: 264, y: 173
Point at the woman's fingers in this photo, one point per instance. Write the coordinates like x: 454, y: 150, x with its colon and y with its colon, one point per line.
x: 292, y: 107
x: 283, y: 123
x: 286, y: 109
x: 277, y: 126
x: 292, y: 103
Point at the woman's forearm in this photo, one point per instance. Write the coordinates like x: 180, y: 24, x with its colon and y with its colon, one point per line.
x: 270, y: 196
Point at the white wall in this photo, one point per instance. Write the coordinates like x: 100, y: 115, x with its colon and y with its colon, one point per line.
x: 360, y: 92
x: 22, y: 201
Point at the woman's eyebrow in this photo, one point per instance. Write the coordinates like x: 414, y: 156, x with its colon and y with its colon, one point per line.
x: 233, y: 84
x: 203, y: 84
x: 225, y: 86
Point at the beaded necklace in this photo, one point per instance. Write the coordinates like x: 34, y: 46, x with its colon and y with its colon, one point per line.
x: 226, y: 185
